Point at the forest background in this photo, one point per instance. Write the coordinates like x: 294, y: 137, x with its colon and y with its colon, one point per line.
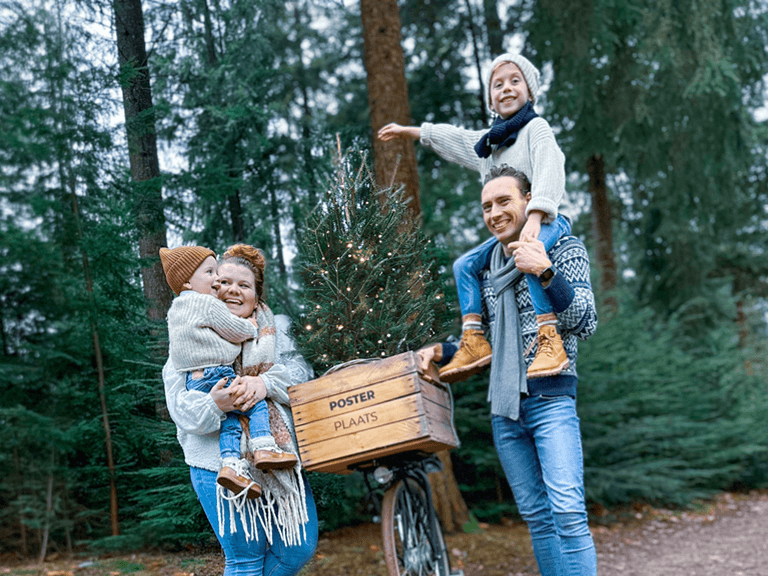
x: 125, y: 127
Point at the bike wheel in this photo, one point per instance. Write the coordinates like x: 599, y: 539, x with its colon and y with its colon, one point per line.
x: 411, y: 546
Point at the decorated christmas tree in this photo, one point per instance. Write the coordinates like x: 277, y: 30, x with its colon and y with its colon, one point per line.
x: 372, y: 288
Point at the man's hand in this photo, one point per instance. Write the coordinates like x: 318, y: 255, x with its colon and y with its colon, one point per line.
x: 392, y: 131
x: 530, y: 257
x: 532, y: 226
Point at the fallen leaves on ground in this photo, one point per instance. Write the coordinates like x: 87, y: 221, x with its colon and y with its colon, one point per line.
x: 491, y: 550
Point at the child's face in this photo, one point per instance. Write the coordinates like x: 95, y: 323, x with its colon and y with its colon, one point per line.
x: 509, y: 91
x: 204, y: 280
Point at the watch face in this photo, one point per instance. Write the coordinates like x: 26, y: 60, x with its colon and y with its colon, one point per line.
x: 547, y: 275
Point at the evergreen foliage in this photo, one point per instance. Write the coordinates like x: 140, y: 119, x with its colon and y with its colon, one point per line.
x: 371, y: 289
x: 666, y: 421
x: 249, y: 94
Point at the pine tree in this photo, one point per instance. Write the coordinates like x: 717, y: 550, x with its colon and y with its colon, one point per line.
x: 371, y: 287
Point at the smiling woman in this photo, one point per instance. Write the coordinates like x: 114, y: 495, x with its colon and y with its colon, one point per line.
x: 276, y: 532
x: 238, y: 288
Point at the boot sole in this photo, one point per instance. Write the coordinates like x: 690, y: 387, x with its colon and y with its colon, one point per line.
x: 552, y: 372
x: 274, y: 465
x: 457, y: 374
x: 235, y: 488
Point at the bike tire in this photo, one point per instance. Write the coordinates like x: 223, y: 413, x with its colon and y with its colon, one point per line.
x: 411, y: 548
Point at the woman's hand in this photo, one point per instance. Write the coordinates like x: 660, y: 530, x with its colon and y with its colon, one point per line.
x: 242, y: 394
x: 222, y: 396
x: 248, y: 390
x: 392, y: 131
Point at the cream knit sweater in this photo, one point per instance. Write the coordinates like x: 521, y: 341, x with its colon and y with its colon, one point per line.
x: 535, y: 153
x: 203, y: 332
x: 197, y: 417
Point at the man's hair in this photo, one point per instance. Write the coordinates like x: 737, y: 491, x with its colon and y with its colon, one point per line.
x: 505, y: 170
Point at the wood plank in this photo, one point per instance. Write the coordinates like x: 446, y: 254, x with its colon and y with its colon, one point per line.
x: 353, y: 377
x: 437, y: 393
x: 343, y: 465
x: 365, y: 441
x: 345, y: 402
x: 363, y: 419
x: 440, y: 422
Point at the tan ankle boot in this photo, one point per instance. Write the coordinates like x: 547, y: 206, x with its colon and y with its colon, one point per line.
x: 473, y: 355
x: 236, y: 478
x: 273, y: 460
x: 551, y: 358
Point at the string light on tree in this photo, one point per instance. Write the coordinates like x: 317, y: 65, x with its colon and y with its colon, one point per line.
x: 370, y: 285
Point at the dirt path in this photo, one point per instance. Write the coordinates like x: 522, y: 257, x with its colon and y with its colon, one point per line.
x: 729, y: 540
x: 725, y: 537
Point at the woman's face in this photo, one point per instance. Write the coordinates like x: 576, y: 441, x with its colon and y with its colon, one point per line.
x: 237, y: 289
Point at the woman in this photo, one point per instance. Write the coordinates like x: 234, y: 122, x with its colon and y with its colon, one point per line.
x: 276, y: 534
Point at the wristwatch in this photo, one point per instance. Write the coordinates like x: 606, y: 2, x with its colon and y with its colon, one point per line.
x: 547, y: 275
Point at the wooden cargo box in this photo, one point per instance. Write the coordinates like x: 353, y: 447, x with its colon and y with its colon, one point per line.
x: 370, y: 410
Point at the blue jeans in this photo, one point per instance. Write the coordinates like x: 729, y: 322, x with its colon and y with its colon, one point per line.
x: 542, y: 458
x: 468, y: 267
x: 256, y: 558
x: 229, y: 438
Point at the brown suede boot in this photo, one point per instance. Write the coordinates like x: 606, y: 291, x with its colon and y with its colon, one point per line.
x: 234, y: 476
x: 273, y: 460
x: 551, y: 358
x: 473, y: 355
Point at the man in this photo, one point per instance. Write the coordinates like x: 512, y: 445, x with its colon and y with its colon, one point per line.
x: 535, y: 426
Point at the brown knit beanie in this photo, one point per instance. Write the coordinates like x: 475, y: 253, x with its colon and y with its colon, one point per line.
x: 180, y: 263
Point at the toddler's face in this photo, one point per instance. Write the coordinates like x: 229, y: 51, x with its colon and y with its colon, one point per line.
x: 205, y: 280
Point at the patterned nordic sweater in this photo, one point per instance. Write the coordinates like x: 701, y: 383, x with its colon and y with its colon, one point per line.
x: 535, y: 153
x: 573, y: 302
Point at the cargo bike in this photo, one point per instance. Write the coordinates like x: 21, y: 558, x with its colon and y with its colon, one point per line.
x: 385, y: 418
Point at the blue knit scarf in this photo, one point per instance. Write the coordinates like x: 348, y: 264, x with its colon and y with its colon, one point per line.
x: 503, y: 132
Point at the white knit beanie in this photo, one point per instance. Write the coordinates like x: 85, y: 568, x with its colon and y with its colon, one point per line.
x: 530, y: 72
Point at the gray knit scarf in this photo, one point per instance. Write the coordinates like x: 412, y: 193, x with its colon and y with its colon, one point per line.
x: 508, y: 371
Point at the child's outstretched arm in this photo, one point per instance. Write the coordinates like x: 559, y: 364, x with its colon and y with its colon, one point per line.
x: 392, y: 131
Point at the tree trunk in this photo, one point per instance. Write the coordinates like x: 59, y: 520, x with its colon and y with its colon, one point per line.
x: 275, y: 211
x: 396, y: 163
x: 602, y: 228
x: 449, y: 504
x: 388, y: 98
x: 493, y: 28
x: 478, y: 67
x: 99, y: 366
x: 306, y: 119
x: 18, y: 485
x: 142, y: 150
x: 48, y: 512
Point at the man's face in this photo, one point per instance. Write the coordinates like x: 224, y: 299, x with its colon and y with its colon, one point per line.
x: 504, y: 209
